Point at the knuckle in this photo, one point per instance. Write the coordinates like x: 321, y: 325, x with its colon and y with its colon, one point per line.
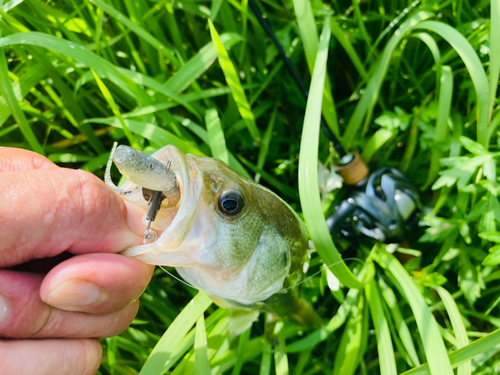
x: 101, y: 211
x: 21, y: 290
x: 91, y: 194
x: 98, y: 202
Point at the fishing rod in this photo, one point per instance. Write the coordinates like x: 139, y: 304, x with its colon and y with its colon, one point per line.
x: 302, y: 87
x: 382, y: 206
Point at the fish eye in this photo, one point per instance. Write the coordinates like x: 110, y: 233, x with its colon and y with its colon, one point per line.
x: 231, y: 202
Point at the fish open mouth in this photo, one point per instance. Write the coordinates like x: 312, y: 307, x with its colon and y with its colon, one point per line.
x: 176, y: 183
x: 194, y: 237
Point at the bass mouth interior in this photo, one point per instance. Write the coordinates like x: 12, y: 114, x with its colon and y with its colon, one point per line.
x: 161, y: 205
x: 172, y: 178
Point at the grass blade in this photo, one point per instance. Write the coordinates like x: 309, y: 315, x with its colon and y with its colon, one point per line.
x: 399, y: 322
x: 366, y: 104
x: 10, y: 97
x: 116, y: 111
x: 226, y: 361
x: 233, y: 81
x: 276, y: 183
x: 336, y: 322
x: 149, y: 82
x: 187, y: 342
x: 349, y: 49
x: 266, y: 141
x: 376, y: 142
x: 349, y: 352
x: 440, y: 135
x: 436, y: 55
x: 111, y: 353
x: 174, y: 334
x: 265, y: 362
x: 458, y: 326
x: 138, y: 30
x: 307, y: 29
x: 201, y: 365
x: 434, y: 347
x: 494, y: 51
x: 155, y: 134
x: 173, y: 27
x: 240, y: 356
x: 386, y: 357
x: 280, y: 357
x: 308, y: 170
x: 78, y: 52
x: 200, y: 63
x: 21, y: 88
x: 464, y: 354
x: 214, y: 9
x: 361, y: 25
x: 309, y: 36
x: 202, y: 133
x: 216, y: 136
x: 10, y: 5
x: 304, y: 359
x: 475, y: 68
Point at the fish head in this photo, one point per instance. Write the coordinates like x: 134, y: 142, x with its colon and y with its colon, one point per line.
x: 227, y: 235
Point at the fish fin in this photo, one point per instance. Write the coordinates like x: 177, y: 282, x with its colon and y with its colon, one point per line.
x: 241, y: 320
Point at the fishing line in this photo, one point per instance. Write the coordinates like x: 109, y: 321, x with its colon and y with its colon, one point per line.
x: 178, y: 279
x: 293, y: 286
x: 331, y: 265
x: 167, y: 272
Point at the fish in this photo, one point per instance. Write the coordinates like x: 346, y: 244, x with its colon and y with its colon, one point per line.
x: 225, y: 234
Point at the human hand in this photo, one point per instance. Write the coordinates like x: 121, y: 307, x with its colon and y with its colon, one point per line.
x: 46, y: 212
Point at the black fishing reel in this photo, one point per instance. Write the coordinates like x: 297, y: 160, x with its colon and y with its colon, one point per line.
x: 383, y: 207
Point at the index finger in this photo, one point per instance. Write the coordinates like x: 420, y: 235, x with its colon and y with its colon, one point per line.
x: 45, y: 212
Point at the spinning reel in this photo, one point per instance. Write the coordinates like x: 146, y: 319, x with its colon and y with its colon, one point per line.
x: 383, y: 206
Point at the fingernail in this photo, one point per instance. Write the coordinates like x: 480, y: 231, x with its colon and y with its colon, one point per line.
x: 4, y: 310
x: 73, y: 295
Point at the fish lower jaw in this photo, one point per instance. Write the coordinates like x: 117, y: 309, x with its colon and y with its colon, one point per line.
x: 238, y: 290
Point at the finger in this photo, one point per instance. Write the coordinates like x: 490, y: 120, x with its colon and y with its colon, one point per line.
x: 24, y: 315
x: 62, y: 209
x: 48, y: 357
x: 12, y: 159
x: 95, y: 283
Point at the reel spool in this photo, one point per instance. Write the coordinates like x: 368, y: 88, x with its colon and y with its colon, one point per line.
x: 382, y: 207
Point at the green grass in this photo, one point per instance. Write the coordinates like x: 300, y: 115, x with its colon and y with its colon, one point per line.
x: 411, y: 85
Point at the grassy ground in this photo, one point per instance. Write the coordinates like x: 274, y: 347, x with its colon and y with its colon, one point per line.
x: 409, y: 85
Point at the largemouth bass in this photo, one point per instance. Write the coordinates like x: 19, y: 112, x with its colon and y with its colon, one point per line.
x: 225, y: 234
